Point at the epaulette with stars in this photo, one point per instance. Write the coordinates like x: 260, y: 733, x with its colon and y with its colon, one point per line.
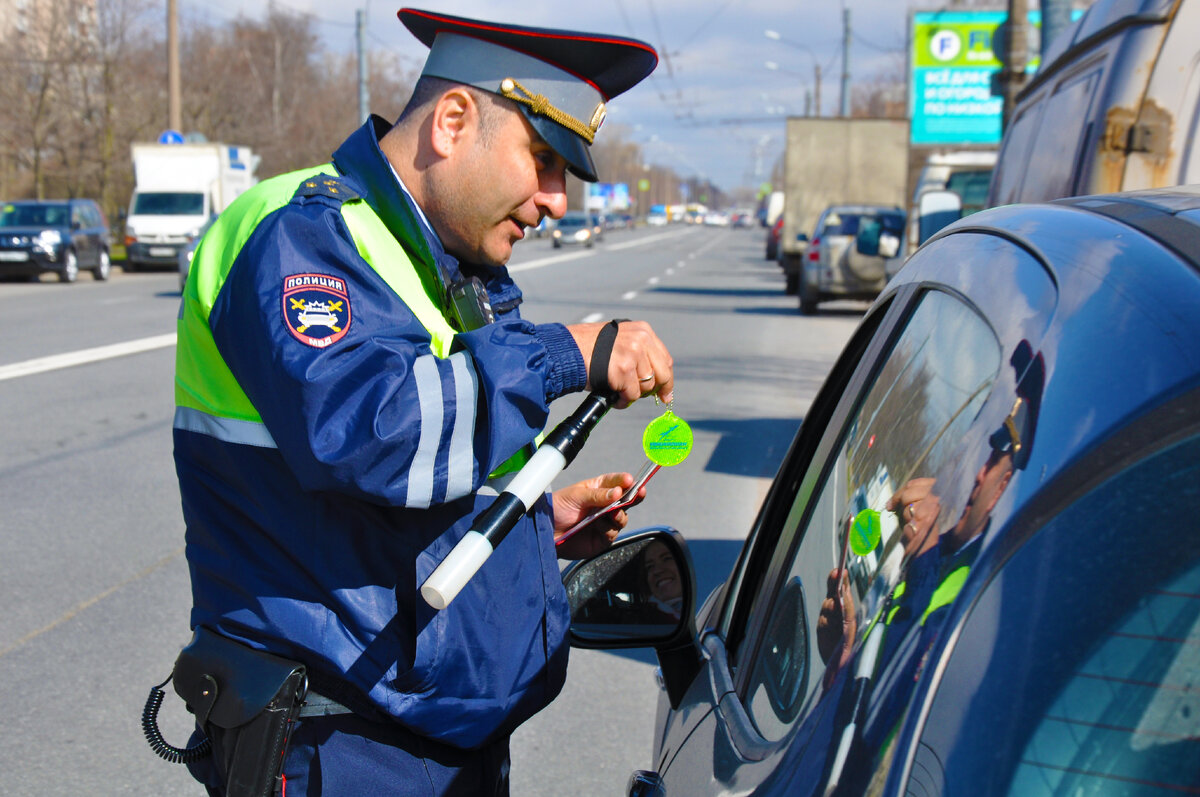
x: 325, y: 186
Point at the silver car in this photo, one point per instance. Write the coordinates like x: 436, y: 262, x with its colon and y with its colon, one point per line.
x: 848, y: 255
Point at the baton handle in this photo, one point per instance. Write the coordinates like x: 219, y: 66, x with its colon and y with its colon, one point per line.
x: 555, y: 453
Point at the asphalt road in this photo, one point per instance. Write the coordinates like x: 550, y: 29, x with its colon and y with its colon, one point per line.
x: 92, y: 578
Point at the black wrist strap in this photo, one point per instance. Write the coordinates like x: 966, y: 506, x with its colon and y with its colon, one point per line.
x: 601, y: 352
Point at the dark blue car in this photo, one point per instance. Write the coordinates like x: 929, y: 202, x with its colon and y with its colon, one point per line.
x: 62, y: 236
x: 977, y: 571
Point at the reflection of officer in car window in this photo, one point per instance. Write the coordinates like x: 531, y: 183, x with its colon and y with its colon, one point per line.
x: 942, y: 561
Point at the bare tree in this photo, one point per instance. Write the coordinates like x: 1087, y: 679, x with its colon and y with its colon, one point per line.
x: 36, y: 90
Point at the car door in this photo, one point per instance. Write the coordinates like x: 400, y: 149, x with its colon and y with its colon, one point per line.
x: 82, y: 238
x: 1081, y: 654
x: 931, y: 368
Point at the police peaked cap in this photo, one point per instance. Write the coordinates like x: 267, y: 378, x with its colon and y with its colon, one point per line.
x: 560, y: 79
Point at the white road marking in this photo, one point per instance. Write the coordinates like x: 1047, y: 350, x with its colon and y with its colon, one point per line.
x: 84, y: 356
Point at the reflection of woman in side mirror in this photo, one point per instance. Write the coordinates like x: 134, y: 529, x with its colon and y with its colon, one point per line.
x: 660, y: 574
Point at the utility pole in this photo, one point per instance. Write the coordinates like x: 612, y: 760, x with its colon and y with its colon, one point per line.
x: 364, y: 99
x: 1056, y: 16
x: 845, y: 110
x: 817, y: 87
x: 174, y: 102
x: 1012, y: 75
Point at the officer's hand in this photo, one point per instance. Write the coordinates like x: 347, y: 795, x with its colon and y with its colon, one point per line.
x: 917, y: 507
x: 639, y: 364
x: 573, y: 503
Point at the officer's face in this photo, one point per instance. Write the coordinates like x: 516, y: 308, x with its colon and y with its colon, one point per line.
x: 506, y: 181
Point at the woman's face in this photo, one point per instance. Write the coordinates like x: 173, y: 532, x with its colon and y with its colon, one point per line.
x: 661, y: 572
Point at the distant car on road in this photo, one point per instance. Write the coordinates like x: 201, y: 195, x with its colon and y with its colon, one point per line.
x: 61, y: 236
x: 848, y: 255
x: 978, y: 569
x: 573, y: 229
x: 773, y: 232
x: 188, y: 252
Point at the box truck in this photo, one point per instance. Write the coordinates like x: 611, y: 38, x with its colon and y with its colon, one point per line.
x: 177, y: 189
x: 836, y: 161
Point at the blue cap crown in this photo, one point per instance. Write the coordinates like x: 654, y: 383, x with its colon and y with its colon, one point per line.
x: 561, y: 80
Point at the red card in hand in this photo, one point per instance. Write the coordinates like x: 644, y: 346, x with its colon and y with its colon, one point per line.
x: 627, y: 498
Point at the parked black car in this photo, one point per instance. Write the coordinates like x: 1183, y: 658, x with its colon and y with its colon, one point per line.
x: 978, y: 568
x: 62, y: 236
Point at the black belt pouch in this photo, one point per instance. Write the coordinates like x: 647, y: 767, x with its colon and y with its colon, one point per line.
x: 245, y: 701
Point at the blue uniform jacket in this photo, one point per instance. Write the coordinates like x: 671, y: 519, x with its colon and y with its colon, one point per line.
x: 313, y: 544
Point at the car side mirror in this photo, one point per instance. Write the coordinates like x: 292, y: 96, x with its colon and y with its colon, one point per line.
x: 641, y: 592
x: 889, y: 245
x: 936, y: 209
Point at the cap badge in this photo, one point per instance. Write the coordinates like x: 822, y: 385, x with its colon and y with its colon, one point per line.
x: 540, y: 105
x: 598, y: 117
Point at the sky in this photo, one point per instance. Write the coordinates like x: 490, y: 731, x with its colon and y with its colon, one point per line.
x: 712, y: 109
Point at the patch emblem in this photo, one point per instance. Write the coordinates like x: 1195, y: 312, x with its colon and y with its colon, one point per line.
x: 316, y: 308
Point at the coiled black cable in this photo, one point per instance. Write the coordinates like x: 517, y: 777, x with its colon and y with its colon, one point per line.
x: 175, y: 755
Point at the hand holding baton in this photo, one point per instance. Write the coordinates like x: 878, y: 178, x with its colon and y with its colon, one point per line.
x: 552, y: 457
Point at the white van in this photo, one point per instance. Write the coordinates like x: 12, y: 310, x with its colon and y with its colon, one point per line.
x: 1113, y: 108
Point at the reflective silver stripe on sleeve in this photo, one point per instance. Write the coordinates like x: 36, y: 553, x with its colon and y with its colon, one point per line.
x: 429, y: 395
x: 228, y: 430
x: 461, y: 468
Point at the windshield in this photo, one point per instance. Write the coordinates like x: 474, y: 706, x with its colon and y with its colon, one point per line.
x: 34, y: 216
x: 168, y: 204
x: 849, y: 223
x: 572, y: 221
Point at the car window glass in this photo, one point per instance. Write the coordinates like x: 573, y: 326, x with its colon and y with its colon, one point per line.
x: 909, y: 425
x: 1017, y: 141
x: 1053, y: 161
x: 972, y: 188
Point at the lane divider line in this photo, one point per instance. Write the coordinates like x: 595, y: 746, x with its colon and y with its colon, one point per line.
x: 84, y: 356
x: 549, y: 261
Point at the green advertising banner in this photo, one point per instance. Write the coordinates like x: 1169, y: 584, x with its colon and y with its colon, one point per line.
x: 953, y: 62
x: 952, y: 67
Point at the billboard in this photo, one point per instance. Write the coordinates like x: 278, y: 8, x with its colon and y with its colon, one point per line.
x: 953, y: 63
x: 607, y: 197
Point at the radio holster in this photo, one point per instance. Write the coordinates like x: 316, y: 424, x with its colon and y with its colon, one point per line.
x: 244, y: 701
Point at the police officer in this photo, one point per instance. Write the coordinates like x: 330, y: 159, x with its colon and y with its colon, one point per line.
x: 354, y: 383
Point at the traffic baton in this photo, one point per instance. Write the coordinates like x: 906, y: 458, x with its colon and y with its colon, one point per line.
x: 552, y: 457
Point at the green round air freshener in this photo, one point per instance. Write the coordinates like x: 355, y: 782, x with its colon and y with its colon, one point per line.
x: 865, y: 532
x: 667, y: 439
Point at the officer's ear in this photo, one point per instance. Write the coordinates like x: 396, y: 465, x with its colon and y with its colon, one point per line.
x: 453, y: 116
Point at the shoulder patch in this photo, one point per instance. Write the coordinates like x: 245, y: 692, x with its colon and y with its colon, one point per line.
x: 328, y: 186
x: 316, y: 308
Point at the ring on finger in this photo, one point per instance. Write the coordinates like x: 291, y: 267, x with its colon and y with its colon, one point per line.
x: 646, y: 378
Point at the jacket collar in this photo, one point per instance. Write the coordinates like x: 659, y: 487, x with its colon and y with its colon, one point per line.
x: 360, y: 158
